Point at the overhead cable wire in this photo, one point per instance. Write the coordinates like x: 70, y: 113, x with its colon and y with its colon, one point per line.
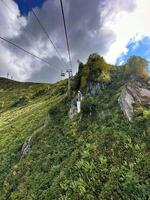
x: 49, y: 38
x: 66, y: 32
x: 26, y: 51
x: 27, y: 30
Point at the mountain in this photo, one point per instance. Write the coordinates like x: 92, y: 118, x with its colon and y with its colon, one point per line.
x: 48, y: 154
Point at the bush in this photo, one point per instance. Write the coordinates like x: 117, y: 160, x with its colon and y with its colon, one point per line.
x: 138, y: 111
x: 88, y: 106
x: 39, y: 93
x: 20, y: 102
x: 58, y: 112
x: 137, y: 66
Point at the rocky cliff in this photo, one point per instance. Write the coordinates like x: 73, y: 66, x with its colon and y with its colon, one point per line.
x: 134, y: 92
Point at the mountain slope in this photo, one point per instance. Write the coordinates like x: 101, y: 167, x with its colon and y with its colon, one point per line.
x: 18, y: 122
x: 98, y: 154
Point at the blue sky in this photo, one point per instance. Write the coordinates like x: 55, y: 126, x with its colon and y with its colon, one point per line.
x: 139, y: 48
x: 26, y: 5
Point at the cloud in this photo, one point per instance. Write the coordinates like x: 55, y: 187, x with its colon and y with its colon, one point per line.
x: 128, y: 26
x: 139, y: 48
x: 10, y: 25
x: 93, y: 26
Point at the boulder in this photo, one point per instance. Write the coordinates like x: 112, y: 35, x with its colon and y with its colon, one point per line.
x: 95, y: 87
x: 26, y: 146
x: 72, y: 111
x: 132, y: 93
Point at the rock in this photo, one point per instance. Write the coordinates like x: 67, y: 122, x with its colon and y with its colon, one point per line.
x: 26, y: 146
x: 126, y: 101
x: 95, y: 87
x: 133, y: 92
x: 72, y: 112
x: 2, y: 104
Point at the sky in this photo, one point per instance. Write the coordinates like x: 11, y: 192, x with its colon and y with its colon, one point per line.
x: 116, y: 29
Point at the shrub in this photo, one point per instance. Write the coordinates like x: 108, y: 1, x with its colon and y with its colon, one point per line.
x: 138, y: 111
x: 59, y: 111
x: 88, y: 106
x: 20, y: 102
x: 39, y: 93
x: 137, y: 66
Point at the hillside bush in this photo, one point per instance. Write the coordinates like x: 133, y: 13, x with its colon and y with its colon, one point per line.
x: 20, y: 102
x: 88, y: 106
x: 39, y: 93
x: 137, y: 66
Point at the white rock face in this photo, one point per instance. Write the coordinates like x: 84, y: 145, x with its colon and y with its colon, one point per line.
x: 133, y: 92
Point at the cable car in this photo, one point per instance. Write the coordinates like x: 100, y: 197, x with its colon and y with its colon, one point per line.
x: 63, y: 74
x: 69, y: 70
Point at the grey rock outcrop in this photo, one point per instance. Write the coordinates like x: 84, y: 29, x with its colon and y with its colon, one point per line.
x: 72, y: 111
x: 26, y: 146
x: 133, y: 92
x: 95, y: 87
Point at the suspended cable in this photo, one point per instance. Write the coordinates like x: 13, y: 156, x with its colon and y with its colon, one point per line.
x: 26, y: 30
x: 66, y: 34
x: 17, y: 46
x: 49, y: 38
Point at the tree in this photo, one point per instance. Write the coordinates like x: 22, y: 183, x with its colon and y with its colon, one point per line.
x: 100, y: 70
x: 137, y: 66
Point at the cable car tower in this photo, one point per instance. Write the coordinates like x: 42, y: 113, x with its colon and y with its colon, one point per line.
x: 69, y: 71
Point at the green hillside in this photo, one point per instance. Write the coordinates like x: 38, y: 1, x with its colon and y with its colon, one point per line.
x: 97, y: 155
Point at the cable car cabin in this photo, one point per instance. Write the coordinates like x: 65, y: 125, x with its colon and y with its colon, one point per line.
x: 63, y: 74
x: 69, y: 70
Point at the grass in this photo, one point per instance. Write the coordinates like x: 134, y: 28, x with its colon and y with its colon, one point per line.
x: 97, y: 155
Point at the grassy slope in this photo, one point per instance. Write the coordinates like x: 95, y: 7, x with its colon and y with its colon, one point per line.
x: 98, y: 156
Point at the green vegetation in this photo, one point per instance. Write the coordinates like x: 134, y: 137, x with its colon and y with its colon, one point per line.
x: 137, y: 66
x: 98, y: 155
x: 96, y: 70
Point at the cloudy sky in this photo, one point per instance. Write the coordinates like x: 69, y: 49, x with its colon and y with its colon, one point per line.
x: 116, y: 29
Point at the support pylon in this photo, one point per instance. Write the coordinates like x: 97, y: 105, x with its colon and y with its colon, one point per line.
x: 69, y: 71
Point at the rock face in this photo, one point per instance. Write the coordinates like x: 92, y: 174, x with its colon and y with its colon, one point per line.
x: 133, y: 92
x: 72, y: 111
x: 26, y: 146
x: 95, y: 87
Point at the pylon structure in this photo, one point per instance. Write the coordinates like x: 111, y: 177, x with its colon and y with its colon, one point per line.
x: 69, y: 71
x: 7, y: 75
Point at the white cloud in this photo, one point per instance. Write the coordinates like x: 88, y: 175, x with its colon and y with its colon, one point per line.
x: 11, y: 23
x: 10, y: 26
x: 126, y: 26
x: 17, y: 63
